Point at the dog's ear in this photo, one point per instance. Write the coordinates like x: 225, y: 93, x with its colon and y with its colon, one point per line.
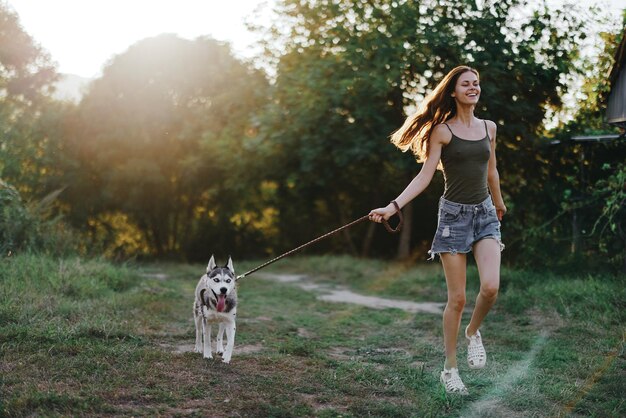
x: 230, y: 265
x: 211, y: 265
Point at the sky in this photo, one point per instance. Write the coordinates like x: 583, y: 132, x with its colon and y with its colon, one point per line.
x: 82, y: 35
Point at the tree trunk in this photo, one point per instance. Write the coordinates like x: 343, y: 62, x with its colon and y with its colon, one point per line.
x: 404, y: 246
x: 575, y: 247
x: 624, y: 266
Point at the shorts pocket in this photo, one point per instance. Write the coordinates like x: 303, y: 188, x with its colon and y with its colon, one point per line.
x: 449, y: 212
x: 493, y: 215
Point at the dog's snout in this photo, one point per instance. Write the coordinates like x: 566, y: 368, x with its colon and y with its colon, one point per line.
x: 223, y: 290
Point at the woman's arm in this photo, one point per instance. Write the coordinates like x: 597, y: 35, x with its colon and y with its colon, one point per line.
x: 439, y: 137
x: 423, y: 178
x: 493, y: 177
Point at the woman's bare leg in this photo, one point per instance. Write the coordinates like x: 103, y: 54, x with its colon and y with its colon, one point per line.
x: 487, y: 255
x: 454, y: 267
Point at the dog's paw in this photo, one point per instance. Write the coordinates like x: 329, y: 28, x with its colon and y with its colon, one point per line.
x: 225, y: 360
x: 197, y: 350
x: 208, y: 357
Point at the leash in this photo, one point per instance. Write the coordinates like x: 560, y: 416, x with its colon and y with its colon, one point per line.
x: 328, y: 234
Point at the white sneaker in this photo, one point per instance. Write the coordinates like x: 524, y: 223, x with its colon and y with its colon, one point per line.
x: 476, y: 355
x: 452, y: 382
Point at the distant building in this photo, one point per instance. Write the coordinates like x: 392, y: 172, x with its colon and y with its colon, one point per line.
x: 616, y: 106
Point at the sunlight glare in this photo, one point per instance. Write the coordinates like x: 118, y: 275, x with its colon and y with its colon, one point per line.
x: 83, y: 35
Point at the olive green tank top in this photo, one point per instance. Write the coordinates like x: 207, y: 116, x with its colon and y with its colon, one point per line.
x: 465, y: 168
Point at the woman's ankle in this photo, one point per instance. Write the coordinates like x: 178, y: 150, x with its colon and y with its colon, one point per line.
x: 450, y: 363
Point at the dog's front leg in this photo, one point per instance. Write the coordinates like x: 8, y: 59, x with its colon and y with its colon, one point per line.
x: 230, y: 341
x: 206, y: 329
x: 220, y: 343
x: 199, y: 327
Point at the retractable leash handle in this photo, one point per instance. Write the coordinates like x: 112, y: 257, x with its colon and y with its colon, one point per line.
x: 361, y: 219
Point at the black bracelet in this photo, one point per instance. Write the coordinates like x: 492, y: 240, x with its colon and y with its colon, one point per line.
x: 396, y: 205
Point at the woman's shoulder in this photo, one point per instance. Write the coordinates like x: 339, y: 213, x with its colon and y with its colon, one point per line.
x: 491, y: 127
x: 490, y: 123
x: 441, y: 133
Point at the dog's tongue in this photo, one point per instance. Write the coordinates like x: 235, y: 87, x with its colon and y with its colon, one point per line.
x: 221, y: 301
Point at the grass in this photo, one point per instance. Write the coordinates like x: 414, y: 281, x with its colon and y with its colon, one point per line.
x: 89, y: 338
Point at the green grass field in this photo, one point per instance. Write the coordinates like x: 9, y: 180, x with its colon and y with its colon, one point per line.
x: 86, y: 338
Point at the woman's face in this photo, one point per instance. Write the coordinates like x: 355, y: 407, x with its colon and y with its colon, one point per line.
x: 467, y: 89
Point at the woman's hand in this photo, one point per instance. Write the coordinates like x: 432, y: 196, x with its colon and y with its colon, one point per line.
x: 377, y: 215
x: 500, y: 211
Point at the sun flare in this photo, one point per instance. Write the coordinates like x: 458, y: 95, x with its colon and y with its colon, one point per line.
x: 82, y: 36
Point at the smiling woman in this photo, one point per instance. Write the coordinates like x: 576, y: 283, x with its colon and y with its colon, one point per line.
x: 469, y: 210
x: 82, y: 36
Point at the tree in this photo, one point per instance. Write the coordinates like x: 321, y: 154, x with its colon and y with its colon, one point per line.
x: 584, y: 181
x: 26, y: 77
x: 347, y: 71
x: 161, y: 137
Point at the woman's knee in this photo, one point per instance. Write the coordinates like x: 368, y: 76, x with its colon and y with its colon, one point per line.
x: 490, y: 289
x: 456, y: 301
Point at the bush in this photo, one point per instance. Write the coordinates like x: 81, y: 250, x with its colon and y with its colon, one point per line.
x: 32, y: 227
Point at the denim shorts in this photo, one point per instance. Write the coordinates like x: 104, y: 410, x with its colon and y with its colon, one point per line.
x: 460, y: 226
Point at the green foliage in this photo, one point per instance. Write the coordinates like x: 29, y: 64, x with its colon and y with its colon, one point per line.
x: 27, y: 71
x: 576, y: 219
x: 609, y: 229
x: 180, y: 149
x: 32, y: 226
x: 163, y: 138
x: 346, y: 73
x: 25, y: 83
x: 28, y: 198
x: 12, y: 218
x: 612, y: 191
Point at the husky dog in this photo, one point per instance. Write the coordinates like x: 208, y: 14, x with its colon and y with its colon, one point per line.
x: 216, y: 303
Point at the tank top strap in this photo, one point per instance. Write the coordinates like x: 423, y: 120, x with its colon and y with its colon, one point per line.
x: 448, y: 126
x: 487, y: 130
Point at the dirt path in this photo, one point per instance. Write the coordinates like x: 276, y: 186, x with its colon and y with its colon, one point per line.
x: 344, y: 295
x: 325, y: 293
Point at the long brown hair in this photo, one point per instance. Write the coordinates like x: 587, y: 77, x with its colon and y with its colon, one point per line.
x: 437, y: 107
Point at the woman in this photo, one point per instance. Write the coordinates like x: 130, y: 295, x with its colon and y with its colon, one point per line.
x: 445, y: 129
